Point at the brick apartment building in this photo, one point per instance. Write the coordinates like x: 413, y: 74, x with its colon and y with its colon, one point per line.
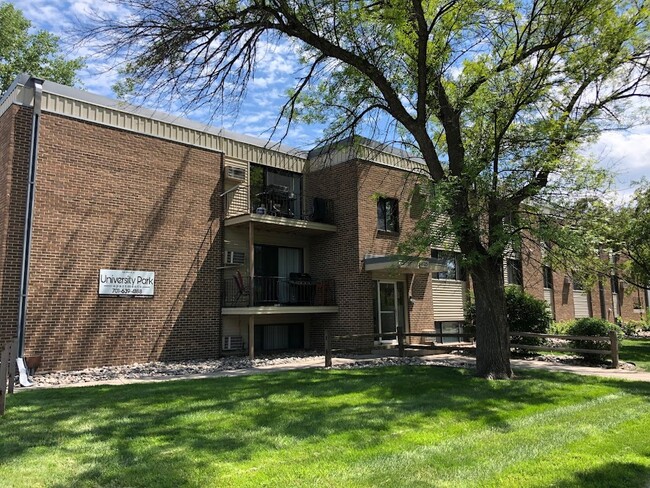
x: 127, y: 236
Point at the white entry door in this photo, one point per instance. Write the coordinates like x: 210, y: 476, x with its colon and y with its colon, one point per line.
x: 389, y: 311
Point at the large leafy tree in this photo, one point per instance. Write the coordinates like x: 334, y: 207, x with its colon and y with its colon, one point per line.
x: 35, y: 53
x: 628, y: 230
x: 494, y: 95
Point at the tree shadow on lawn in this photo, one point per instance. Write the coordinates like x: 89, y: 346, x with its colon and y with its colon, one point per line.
x: 637, y: 351
x: 167, y: 431
x: 628, y: 475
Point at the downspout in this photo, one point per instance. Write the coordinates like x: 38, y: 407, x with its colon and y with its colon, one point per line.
x: 37, y: 86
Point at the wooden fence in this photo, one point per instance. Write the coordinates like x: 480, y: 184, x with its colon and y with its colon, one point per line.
x: 8, y: 365
x: 612, y: 351
x: 402, y: 345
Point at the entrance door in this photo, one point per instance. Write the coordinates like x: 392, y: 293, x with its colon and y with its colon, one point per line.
x: 389, y: 313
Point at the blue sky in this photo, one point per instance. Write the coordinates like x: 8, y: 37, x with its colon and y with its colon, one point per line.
x: 626, y: 152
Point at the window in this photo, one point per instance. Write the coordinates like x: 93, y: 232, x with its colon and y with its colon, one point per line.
x: 514, y: 272
x: 387, y: 215
x: 273, y: 268
x: 449, y: 328
x: 548, y: 277
x: 275, y: 192
x: 453, y: 269
x: 275, y: 261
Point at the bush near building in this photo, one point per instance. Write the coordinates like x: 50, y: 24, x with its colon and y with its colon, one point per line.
x: 524, y: 313
x: 633, y: 327
x: 594, y: 328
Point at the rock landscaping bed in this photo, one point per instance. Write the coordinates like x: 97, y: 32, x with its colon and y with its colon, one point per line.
x: 233, y: 363
x: 162, y: 370
x: 573, y: 361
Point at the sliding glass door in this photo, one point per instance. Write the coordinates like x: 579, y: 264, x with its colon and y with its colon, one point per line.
x: 273, y: 265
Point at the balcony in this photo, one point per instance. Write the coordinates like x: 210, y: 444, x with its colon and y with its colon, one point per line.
x: 278, y: 201
x: 277, y: 208
x: 275, y: 294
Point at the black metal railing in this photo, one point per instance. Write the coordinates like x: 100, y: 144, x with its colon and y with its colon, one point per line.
x: 278, y: 201
x: 299, y: 290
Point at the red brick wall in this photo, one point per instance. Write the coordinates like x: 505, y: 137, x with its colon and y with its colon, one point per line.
x: 398, y: 184
x: 336, y: 256
x: 596, y: 307
x: 421, y: 305
x: 563, y: 291
x: 108, y: 198
x: 630, y: 295
x: 352, y: 186
x: 531, y: 263
x: 15, y: 130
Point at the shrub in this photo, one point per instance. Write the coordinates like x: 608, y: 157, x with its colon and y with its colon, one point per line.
x: 631, y: 327
x: 561, y: 327
x: 525, y: 313
x: 594, y: 328
x: 470, y: 314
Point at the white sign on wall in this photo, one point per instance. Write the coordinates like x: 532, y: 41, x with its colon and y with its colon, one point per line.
x: 122, y: 282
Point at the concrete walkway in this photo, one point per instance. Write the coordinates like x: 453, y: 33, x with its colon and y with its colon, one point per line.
x: 619, y: 374
x: 450, y: 360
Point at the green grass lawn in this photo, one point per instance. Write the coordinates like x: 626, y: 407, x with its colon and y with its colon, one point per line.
x: 637, y: 351
x: 395, y: 427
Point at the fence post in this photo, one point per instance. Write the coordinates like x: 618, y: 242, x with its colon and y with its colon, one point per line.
x: 400, y: 341
x: 13, y: 355
x: 328, y: 349
x: 4, y: 363
x: 613, y: 338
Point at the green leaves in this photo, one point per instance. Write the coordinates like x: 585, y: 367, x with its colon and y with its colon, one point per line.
x: 628, y: 231
x: 36, y: 54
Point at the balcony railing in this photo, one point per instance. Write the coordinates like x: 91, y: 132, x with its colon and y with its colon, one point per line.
x: 297, y: 290
x: 278, y: 201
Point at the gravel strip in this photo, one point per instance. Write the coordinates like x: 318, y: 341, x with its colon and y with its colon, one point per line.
x: 160, y: 369
x: 170, y: 370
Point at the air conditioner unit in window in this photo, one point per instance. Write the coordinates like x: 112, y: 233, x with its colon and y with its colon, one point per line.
x: 235, y: 173
x: 234, y: 257
x: 233, y: 343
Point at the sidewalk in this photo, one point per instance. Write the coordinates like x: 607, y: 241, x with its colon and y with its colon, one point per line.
x: 449, y: 360
x: 619, y: 374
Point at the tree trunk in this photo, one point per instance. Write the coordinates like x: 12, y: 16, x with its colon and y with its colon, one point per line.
x: 492, y: 338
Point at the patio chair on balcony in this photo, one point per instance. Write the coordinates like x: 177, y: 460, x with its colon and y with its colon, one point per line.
x: 241, y: 290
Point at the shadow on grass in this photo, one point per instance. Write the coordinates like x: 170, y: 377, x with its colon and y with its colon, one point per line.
x: 163, y: 434
x: 636, y: 351
x: 629, y: 475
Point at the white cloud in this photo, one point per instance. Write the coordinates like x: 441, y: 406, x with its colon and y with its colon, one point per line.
x: 278, y: 68
x: 627, y: 153
x: 631, y: 149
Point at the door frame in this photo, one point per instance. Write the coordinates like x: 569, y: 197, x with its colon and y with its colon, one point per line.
x: 401, y: 319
